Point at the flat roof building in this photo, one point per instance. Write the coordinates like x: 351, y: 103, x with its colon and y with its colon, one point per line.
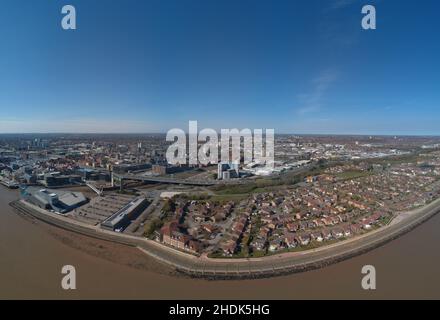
x: 60, y: 201
x: 123, y: 217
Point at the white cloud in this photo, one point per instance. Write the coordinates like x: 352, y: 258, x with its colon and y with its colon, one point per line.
x: 312, y: 101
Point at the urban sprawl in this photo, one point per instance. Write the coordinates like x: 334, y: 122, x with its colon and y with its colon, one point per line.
x: 321, y: 190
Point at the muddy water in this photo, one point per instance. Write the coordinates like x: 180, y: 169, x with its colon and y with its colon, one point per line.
x: 31, y: 257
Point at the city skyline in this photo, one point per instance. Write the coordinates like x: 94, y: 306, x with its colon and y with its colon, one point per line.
x: 223, y: 152
x: 300, y: 67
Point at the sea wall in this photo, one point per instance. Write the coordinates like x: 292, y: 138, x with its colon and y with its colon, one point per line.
x: 216, y: 269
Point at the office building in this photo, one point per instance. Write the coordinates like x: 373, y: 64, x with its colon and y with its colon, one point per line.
x: 227, y: 170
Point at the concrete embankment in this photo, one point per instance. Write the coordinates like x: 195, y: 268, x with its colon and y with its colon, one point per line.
x: 245, y: 268
x: 9, y: 184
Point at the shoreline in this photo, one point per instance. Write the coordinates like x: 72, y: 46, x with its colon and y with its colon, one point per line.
x: 250, y: 268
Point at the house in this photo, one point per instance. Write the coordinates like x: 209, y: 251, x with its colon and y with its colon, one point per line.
x: 291, y: 240
x: 266, y: 219
x: 317, y: 236
x: 326, y: 235
x: 229, y: 247
x: 357, y: 205
x: 347, y: 232
x: 366, y: 225
x: 311, y: 225
x: 292, y: 227
x: 318, y: 223
x: 238, y: 227
x: 173, y: 235
x: 337, y: 233
x: 354, y: 228
x: 198, y: 218
x: 274, y: 245
x: 259, y: 244
x: 303, y: 225
x: 272, y: 226
x: 264, y: 232
x: 335, y: 220
x: 209, y: 228
x: 304, y: 239
x: 194, y: 246
x: 218, y: 217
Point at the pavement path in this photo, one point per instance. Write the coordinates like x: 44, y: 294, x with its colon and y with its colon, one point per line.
x: 247, y: 268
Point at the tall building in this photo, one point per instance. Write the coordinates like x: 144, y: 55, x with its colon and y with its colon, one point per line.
x: 227, y: 170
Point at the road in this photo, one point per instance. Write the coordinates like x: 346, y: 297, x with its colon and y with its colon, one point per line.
x: 165, y: 180
x: 246, y: 268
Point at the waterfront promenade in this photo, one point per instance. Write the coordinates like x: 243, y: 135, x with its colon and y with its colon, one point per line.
x: 245, y: 268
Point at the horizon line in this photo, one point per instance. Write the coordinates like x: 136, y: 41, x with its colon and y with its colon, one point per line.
x: 280, y: 133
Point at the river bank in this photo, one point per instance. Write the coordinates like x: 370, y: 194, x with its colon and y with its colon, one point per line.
x: 216, y: 269
x: 31, y: 259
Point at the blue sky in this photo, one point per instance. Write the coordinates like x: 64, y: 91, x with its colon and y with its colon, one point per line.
x: 298, y: 66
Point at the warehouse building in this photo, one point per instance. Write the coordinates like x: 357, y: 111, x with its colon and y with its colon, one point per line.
x: 60, y: 201
x: 122, y: 218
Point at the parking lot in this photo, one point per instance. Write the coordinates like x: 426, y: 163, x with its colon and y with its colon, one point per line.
x: 100, y: 208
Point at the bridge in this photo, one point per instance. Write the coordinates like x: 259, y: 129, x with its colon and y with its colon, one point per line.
x: 94, y: 188
x: 155, y: 179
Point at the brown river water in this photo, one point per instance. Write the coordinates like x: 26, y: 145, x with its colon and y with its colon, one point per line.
x: 32, y: 255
